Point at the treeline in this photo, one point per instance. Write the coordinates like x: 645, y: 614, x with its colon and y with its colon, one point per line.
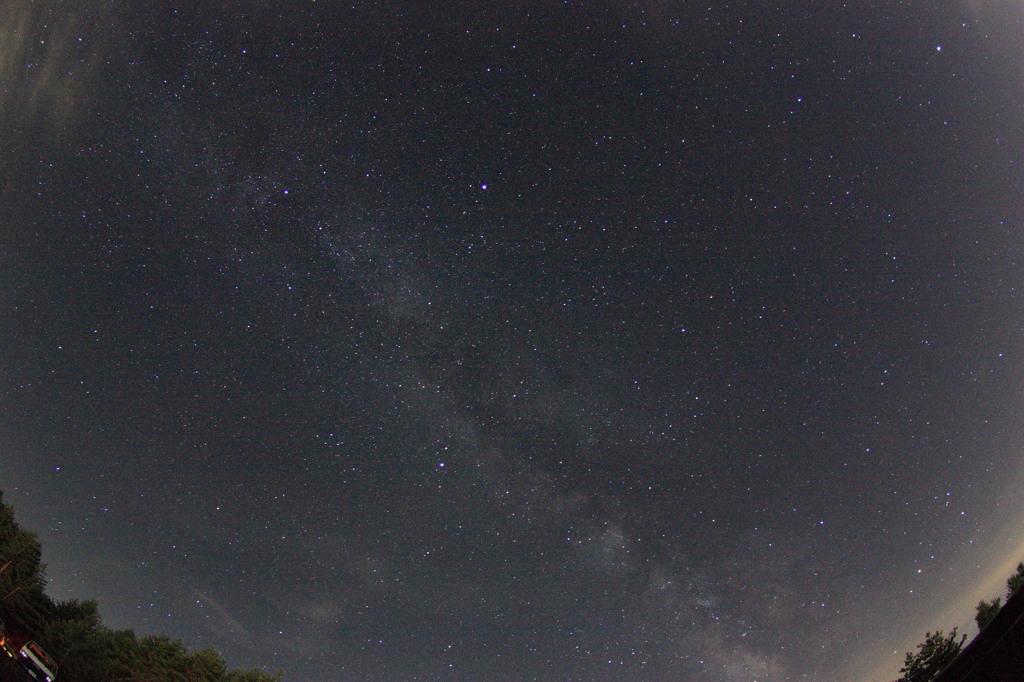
x: 73, y: 635
x: 939, y: 649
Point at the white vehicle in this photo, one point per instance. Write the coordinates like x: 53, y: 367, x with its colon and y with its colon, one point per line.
x: 35, y: 661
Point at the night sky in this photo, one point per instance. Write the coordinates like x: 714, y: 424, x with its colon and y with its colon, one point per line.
x: 577, y: 340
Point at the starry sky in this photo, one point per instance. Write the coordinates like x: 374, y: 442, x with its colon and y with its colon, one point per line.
x: 554, y: 340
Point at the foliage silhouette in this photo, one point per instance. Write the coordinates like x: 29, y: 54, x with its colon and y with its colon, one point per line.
x: 1014, y: 582
x: 934, y: 653
x: 986, y: 611
x: 72, y: 633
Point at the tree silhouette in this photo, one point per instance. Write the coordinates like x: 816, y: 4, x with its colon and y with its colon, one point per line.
x: 23, y: 603
x: 1014, y: 582
x: 72, y: 633
x: 934, y: 653
x: 985, y: 611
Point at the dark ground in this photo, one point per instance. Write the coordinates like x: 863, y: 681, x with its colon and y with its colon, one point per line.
x: 11, y: 671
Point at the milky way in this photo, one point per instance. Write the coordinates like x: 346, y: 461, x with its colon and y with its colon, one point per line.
x: 625, y: 341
